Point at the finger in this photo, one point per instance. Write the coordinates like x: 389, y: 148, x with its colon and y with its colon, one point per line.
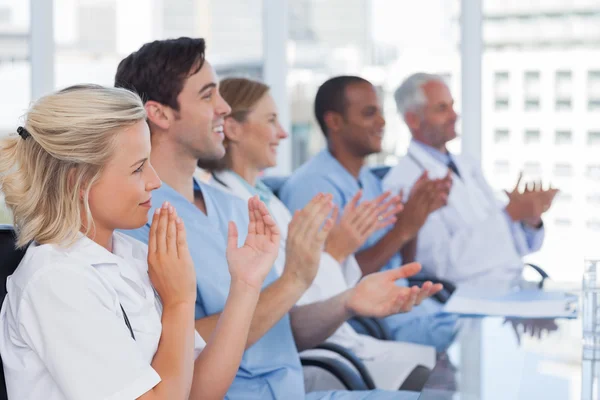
x: 404, y: 271
x: 387, y: 218
x: 322, y: 235
x: 384, y: 223
x: 232, y: 236
x: 161, y: 232
x: 335, y: 213
x: 424, y: 292
x: 182, y: 244
x: 315, y: 206
x: 410, y: 303
x: 382, y: 198
x: 423, y: 178
x: 272, y: 230
x: 353, y: 202
x: 529, y: 187
x: 435, y: 289
x: 300, y: 220
x: 516, y: 189
x: 152, y: 242
x: 172, y: 231
x: 366, y: 215
x: 252, y: 217
x: 267, y: 221
x: 260, y: 225
x: 318, y: 216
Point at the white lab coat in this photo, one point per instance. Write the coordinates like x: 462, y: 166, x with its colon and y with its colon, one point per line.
x: 63, y: 333
x: 389, y: 362
x: 469, y: 240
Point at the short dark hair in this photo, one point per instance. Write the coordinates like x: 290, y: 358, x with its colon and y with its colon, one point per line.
x: 158, y: 70
x: 331, y: 96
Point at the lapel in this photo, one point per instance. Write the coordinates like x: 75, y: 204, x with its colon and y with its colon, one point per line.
x: 227, y: 181
x: 466, y: 197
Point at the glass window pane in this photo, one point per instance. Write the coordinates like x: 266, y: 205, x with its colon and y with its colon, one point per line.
x: 380, y: 40
x: 15, y: 71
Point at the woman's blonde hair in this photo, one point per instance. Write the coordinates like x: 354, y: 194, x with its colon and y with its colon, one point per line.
x: 69, y: 136
x: 242, y: 95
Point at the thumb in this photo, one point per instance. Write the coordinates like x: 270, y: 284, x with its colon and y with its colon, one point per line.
x: 405, y: 271
x: 334, y: 213
x: 232, y: 236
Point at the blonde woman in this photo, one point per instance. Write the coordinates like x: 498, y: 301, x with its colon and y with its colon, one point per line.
x: 91, y: 313
x: 252, y: 135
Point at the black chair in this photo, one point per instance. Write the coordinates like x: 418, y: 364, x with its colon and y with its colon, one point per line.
x: 372, y: 327
x: 414, y: 382
x: 352, y: 359
x: 11, y: 257
x: 342, y: 371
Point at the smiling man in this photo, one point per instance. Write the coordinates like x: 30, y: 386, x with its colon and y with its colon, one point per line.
x: 186, y: 114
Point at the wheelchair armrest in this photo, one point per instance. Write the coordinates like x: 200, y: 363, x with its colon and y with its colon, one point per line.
x: 343, y: 372
x: 416, y: 380
x: 372, y: 327
x: 353, y: 359
x: 540, y: 271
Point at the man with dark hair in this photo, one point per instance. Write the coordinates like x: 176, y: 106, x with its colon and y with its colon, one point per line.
x: 332, y: 98
x: 186, y: 114
x: 349, y: 113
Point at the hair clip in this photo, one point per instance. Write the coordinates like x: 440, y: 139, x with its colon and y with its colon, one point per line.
x: 24, y: 133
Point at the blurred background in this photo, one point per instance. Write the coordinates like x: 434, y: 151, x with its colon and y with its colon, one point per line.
x: 538, y: 77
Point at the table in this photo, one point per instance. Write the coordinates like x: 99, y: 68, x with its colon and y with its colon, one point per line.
x: 489, y: 362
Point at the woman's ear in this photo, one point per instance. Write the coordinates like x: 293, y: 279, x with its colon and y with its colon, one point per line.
x: 159, y: 114
x: 232, y: 129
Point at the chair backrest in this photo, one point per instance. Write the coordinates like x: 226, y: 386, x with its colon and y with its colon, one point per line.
x: 275, y: 183
x: 11, y: 258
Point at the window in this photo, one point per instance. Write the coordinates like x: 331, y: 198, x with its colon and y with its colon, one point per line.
x: 563, y: 105
x: 501, y: 136
x: 501, y: 104
x: 593, y: 224
x: 563, y: 170
x: 501, y: 167
x: 593, y: 138
x: 532, y: 168
x: 593, y: 172
x: 563, y: 197
x: 532, y: 84
x: 532, y: 104
x: 594, y: 105
x: 564, y: 137
x: 562, y: 222
x: 340, y: 37
x: 594, y: 84
x: 501, y: 90
x: 593, y: 199
x: 531, y: 89
x: 563, y: 85
x: 593, y: 90
x: 532, y: 136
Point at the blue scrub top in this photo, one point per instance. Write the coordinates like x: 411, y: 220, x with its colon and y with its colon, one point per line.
x: 271, y: 367
x: 324, y: 174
